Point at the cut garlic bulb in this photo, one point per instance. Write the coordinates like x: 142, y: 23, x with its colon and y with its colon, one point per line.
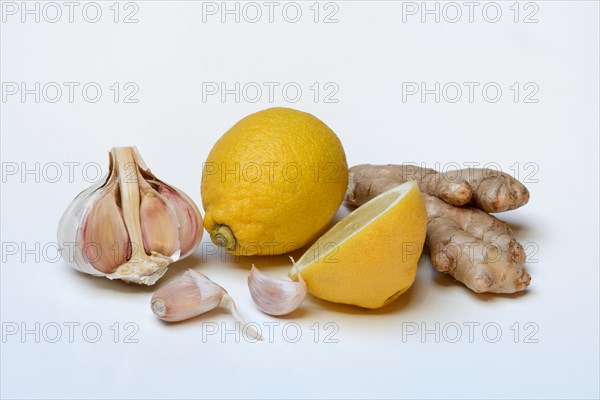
x: 130, y: 225
x: 191, y: 295
x: 275, y: 296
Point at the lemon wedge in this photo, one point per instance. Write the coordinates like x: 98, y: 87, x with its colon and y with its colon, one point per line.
x: 370, y: 257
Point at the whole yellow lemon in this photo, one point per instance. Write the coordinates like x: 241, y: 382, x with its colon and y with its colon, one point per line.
x: 272, y: 182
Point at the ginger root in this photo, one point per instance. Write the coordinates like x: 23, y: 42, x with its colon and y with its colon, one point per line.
x: 487, y: 189
x: 474, y: 247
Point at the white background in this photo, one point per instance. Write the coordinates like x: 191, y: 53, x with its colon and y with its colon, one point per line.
x: 368, y: 54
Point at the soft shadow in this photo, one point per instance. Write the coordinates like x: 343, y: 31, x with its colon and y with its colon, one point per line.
x: 493, y: 296
x: 296, y: 314
x: 517, y: 227
x: 190, y: 262
x: 264, y: 262
x: 103, y: 283
x: 350, y: 207
x: 445, y: 280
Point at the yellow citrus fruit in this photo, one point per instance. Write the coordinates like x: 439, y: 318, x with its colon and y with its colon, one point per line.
x: 272, y: 182
x: 370, y: 257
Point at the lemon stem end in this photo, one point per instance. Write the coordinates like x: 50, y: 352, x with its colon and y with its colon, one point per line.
x: 222, y: 236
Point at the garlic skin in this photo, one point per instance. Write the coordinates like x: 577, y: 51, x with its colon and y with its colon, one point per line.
x: 275, y: 296
x: 191, y: 295
x: 130, y: 225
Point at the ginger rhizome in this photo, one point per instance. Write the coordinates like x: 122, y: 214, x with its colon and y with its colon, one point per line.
x: 464, y: 241
x: 487, y: 189
x: 474, y: 247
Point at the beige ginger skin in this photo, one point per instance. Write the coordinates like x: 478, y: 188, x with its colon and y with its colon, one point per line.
x: 489, y: 190
x: 471, y: 245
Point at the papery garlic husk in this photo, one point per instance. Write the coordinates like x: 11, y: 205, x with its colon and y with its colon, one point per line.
x: 130, y: 225
x: 275, y: 296
x: 191, y: 295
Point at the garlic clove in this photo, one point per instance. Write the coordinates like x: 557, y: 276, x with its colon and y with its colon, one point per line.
x: 186, y: 297
x: 191, y: 295
x: 190, y: 230
x: 107, y: 243
x: 160, y: 229
x: 275, y: 296
x: 72, y: 223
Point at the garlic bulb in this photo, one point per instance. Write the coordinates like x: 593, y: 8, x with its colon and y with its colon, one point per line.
x: 276, y: 296
x: 193, y: 294
x: 130, y: 225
